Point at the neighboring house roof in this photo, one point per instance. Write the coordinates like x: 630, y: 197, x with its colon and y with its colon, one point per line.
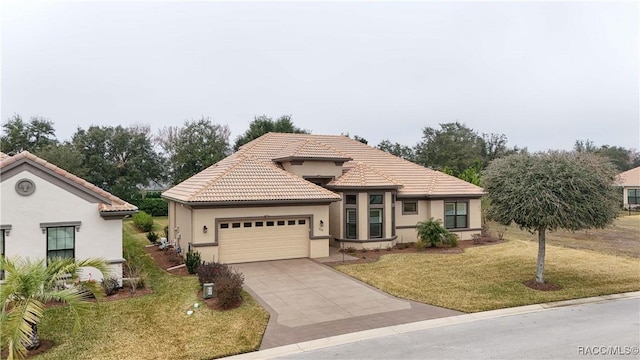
x: 109, y: 203
x: 3, y: 156
x: 240, y: 178
x: 630, y: 177
x: 253, y: 174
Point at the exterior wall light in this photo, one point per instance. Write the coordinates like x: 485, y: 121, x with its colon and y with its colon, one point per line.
x: 204, y: 229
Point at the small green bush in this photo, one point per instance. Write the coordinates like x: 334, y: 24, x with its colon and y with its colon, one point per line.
x: 433, y: 233
x: 143, y: 221
x: 209, y: 272
x: 420, y: 245
x: 452, y: 240
x: 193, y: 261
x: 476, y: 238
x: 110, y: 285
x: 153, y: 237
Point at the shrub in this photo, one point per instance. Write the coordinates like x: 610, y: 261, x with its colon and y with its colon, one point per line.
x: 420, y: 245
x: 389, y: 248
x: 208, y: 272
x: 350, y: 250
x: 432, y: 232
x: 477, y: 238
x: 110, y: 285
x: 193, y: 261
x: 165, y: 232
x: 153, y: 237
x: 228, y: 288
x: 143, y: 221
x: 451, y: 239
x: 154, y: 207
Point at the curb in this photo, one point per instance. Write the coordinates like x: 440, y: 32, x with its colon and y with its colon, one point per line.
x: 421, y: 325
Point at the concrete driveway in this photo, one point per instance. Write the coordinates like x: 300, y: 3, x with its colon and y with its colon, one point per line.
x: 308, y: 301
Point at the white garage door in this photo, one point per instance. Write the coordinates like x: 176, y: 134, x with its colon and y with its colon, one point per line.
x: 260, y: 240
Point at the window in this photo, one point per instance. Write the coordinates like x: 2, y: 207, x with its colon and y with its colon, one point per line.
x: 291, y: 222
x: 61, y: 242
x: 376, y: 199
x: 259, y: 223
x: 633, y: 196
x: 270, y: 223
x: 409, y: 207
x: 235, y: 225
x: 351, y: 199
x: 375, y: 223
x: 455, y: 214
x: 2, y: 251
x: 280, y: 222
x: 351, y: 231
x: 376, y: 211
x: 224, y: 226
x: 248, y: 224
x: 302, y: 222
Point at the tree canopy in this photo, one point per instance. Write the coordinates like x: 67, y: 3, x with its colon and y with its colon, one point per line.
x: 549, y: 191
x: 193, y: 147
x: 32, y: 136
x: 397, y: 149
x: 623, y: 159
x: 263, y: 124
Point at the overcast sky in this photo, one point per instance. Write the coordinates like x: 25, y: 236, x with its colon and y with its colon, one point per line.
x: 544, y: 73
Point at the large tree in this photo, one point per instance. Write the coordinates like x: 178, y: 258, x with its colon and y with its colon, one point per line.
x: 32, y: 136
x: 65, y: 156
x: 454, y: 146
x: 552, y: 190
x: 193, y: 147
x: 119, y: 160
x: 28, y: 286
x: 263, y: 124
x: 397, y: 149
x: 623, y: 159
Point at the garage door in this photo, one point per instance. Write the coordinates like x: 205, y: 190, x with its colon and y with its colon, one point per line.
x: 260, y: 240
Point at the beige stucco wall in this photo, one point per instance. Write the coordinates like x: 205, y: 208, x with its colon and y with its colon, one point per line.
x: 182, y: 231
x: 96, y: 237
x: 336, y: 226
x: 191, y: 223
x: 314, y: 168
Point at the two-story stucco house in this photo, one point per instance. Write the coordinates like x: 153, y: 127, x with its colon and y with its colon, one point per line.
x: 47, y: 212
x: 287, y: 196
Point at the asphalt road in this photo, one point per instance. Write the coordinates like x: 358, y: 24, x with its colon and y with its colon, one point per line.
x: 607, y: 330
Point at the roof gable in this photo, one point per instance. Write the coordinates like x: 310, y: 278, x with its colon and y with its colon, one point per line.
x: 364, y: 176
x: 107, y: 203
x: 630, y: 177
x: 243, y: 179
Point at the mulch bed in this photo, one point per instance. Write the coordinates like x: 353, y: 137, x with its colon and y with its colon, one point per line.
x: 533, y: 284
x: 373, y: 255
x: 167, y: 258
x: 45, y: 345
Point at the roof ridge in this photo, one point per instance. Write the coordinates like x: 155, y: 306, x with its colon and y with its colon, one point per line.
x: 215, y: 178
x: 378, y: 172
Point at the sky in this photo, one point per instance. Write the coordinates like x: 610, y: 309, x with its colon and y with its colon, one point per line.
x: 545, y: 74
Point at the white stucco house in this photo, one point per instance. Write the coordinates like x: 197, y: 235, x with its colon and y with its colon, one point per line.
x: 285, y: 196
x: 47, y: 212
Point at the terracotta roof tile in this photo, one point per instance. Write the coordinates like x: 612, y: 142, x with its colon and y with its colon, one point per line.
x: 241, y: 178
x: 362, y: 175
x: 630, y: 177
x: 116, y: 204
x: 3, y: 156
x: 310, y: 149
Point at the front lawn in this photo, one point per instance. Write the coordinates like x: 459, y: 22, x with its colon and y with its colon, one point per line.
x: 491, y: 277
x: 156, y: 326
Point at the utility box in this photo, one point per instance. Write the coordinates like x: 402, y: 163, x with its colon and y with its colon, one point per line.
x: 207, y: 291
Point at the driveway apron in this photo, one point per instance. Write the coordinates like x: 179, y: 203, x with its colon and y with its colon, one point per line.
x: 309, y: 301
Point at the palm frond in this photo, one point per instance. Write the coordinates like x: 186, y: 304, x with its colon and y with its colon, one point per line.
x: 16, y: 326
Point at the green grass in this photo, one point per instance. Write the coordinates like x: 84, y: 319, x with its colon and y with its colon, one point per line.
x: 156, y: 326
x: 491, y: 277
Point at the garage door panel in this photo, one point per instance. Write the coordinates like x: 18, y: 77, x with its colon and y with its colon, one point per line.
x: 245, y: 244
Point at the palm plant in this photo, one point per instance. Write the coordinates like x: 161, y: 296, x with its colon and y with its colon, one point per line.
x: 28, y: 286
x: 433, y: 233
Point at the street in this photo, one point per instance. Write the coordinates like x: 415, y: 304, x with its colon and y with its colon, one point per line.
x: 606, y: 330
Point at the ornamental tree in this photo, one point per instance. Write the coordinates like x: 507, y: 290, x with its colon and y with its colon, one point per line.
x: 551, y: 190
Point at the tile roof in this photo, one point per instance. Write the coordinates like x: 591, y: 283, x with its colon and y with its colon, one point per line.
x: 363, y: 176
x: 630, y: 177
x: 242, y: 178
x: 3, y: 156
x: 311, y: 150
x: 114, y: 203
x: 252, y: 175
x: 416, y: 180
